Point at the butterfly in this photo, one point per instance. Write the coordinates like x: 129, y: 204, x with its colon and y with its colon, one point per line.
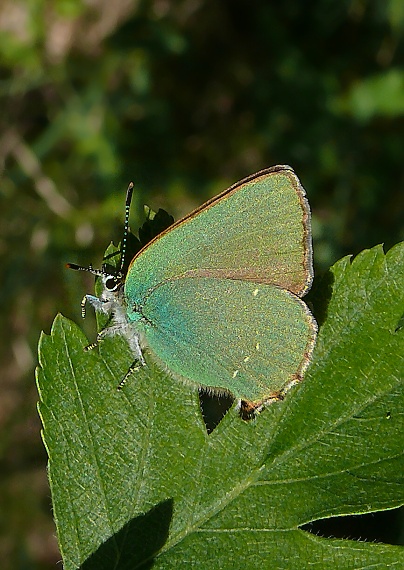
x: 216, y: 298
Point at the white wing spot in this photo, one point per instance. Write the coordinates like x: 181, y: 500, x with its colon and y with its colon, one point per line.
x: 257, y: 346
x: 255, y: 292
x: 235, y: 373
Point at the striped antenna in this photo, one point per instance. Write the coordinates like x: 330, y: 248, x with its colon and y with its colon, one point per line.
x: 89, y: 269
x: 103, y: 272
x: 129, y: 194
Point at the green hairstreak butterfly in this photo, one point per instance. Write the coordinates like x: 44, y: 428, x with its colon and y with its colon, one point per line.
x: 216, y: 298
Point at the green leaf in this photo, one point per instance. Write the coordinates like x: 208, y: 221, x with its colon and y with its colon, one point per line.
x: 378, y: 95
x: 138, y: 483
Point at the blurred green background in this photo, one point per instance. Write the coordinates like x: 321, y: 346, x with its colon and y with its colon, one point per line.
x: 184, y: 98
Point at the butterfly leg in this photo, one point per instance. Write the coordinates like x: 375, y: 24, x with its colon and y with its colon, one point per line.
x: 99, y: 304
x: 134, y: 367
x: 100, y: 336
x: 134, y: 343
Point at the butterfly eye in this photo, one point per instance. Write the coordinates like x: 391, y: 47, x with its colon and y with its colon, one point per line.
x: 112, y: 283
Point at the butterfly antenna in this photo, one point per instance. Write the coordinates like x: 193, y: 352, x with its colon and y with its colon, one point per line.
x: 89, y: 269
x: 128, y: 201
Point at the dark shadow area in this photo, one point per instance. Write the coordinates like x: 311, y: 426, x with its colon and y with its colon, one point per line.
x: 154, y: 224
x: 214, y: 408
x: 136, y: 544
x: 319, y: 296
x: 400, y: 324
x: 384, y: 527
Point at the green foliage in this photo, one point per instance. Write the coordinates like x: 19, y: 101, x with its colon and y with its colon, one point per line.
x: 138, y: 483
x: 381, y: 95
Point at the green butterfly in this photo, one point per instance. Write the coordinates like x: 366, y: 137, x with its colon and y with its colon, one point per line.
x: 216, y: 297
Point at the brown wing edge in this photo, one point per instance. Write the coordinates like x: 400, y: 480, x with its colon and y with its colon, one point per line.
x: 249, y: 410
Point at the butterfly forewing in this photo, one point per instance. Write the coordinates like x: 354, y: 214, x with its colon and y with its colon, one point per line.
x: 258, y: 230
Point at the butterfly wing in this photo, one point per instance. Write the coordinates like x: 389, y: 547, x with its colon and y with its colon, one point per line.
x: 251, y: 339
x: 258, y: 230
